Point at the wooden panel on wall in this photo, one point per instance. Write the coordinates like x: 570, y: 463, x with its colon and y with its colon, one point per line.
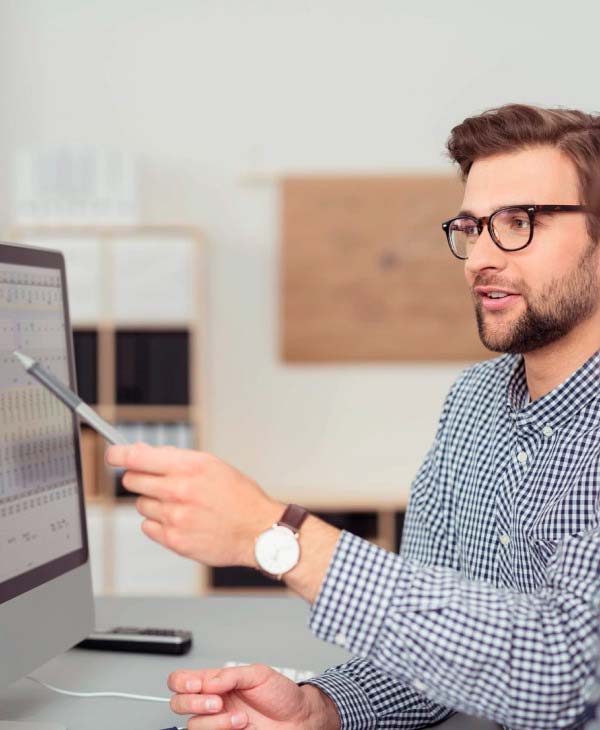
x: 367, y: 275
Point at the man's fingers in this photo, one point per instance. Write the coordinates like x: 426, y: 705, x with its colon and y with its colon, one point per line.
x: 153, y: 509
x: 150, y: 485
x: 189, y: 680
x: 150, y: 459
x: 185, y: 680
x: 217, y: 681
x: 232, y: 678
x: 219, y: 722
x: 168, y: 537
x: 195, y: 704
x: 155, y: 531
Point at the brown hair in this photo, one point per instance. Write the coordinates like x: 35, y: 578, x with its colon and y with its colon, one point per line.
x: 514, y: 127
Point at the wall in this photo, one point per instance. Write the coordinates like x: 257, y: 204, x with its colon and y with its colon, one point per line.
x: 207, y: 91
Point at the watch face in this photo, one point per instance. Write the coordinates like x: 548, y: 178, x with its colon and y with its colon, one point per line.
x: 277, y: 550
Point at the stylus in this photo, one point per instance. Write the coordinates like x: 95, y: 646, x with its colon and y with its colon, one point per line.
x: 70, y: 399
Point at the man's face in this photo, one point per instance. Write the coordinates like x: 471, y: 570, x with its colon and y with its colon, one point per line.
x: 555, y: 281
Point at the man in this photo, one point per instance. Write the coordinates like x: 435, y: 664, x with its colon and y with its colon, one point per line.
x: 492, y: 607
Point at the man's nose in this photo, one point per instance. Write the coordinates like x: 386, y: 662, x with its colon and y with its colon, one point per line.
x: 485, y: 254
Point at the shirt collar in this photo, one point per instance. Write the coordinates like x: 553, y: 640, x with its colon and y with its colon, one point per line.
x: 559, y: 404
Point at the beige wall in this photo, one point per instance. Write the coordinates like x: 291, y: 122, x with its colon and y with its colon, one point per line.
x: 206, y: 91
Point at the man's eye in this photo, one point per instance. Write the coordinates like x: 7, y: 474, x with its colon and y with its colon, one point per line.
x: 468, y: 229
x: 520, y: 224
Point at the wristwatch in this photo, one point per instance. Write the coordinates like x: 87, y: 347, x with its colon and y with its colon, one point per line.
x: 277, y: 550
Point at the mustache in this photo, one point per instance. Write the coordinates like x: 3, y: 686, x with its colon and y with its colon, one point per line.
x: 498, y: 283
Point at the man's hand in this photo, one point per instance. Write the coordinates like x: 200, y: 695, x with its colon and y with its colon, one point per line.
x: 195, y: 504
x: 254, y: 697
x: 204, y: 509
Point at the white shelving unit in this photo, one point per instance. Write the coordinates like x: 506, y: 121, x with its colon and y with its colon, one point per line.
x: 131, y: 279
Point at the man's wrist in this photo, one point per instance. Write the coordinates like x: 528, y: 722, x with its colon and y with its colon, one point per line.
x: 317, y: 545
x: 322, y: 711
x: 318, y: 541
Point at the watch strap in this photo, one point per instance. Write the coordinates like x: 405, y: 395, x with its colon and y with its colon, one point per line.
x: 293, y: 517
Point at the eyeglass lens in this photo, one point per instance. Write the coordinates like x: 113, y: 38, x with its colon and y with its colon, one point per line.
x: 511, y: 228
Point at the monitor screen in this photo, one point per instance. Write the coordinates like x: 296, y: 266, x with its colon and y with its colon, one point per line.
x: 42, y: 518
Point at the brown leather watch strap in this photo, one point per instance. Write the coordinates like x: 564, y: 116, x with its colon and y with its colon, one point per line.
x: 293, y: 517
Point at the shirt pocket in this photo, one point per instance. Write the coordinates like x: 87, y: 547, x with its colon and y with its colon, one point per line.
x: 567, y: 493
x: 571, y: 513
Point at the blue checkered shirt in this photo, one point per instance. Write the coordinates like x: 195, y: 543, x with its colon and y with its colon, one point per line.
x: 491, y: 608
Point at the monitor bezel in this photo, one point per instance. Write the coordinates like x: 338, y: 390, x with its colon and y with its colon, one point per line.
x: 12, y: 253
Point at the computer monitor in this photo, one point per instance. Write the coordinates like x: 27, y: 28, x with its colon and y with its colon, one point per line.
x: 46, y: 603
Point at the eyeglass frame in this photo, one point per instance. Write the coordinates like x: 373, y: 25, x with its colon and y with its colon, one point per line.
x: 486, y: 220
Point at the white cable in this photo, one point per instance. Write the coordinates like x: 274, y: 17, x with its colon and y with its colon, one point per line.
x: 124, y: 695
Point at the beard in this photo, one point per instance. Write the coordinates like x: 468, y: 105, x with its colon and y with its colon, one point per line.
x: 551, y: 315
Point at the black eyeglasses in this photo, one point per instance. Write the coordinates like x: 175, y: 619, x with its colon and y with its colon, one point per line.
x: 511, y: 228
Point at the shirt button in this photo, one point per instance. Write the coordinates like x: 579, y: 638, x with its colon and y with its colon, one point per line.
x: 419, y: 686
x: 341, y: 639
x: 547, y: 431
x: 522, y: 457
x: 504, y: 539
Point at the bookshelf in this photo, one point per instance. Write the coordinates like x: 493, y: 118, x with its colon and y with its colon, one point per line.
x: 136, y: 297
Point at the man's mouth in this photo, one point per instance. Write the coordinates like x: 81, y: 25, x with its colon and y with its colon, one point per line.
x: 495, y: 300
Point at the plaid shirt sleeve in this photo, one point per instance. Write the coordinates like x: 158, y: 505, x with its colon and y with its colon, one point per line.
x: 519, y: 659
x: 366, y: 696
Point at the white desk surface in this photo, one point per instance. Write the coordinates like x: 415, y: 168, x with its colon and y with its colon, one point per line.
x: 271, y: 630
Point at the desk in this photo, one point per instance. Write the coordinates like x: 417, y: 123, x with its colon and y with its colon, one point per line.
x: 271, y: 630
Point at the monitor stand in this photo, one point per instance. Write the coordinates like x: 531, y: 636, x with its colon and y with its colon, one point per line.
x: 25, y: 725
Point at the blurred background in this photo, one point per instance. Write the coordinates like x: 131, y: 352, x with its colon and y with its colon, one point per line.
x: 194, y: 159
